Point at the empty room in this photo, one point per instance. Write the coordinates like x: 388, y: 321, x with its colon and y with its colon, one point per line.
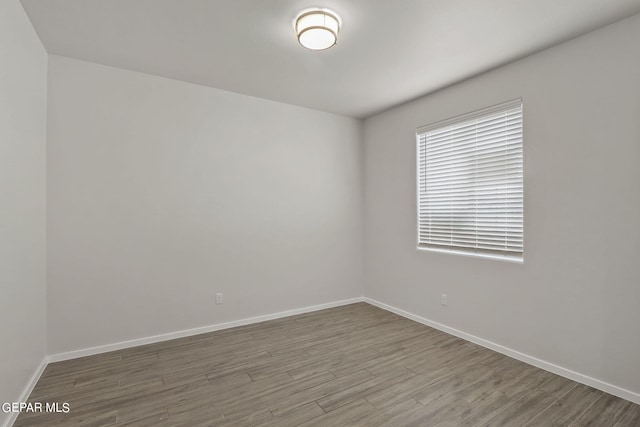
x: 320, y: 213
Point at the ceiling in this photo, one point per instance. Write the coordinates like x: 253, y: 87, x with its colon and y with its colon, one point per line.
x: 388, y: 52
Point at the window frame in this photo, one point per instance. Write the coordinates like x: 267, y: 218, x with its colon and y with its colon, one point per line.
x: 516, y: 257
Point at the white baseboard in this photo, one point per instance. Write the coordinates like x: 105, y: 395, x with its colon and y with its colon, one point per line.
x: 547, y: 366
x: 27, y: 390
x: 195, y: 331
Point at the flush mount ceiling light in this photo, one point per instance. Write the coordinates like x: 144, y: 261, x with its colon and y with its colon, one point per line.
x: 317, y: 29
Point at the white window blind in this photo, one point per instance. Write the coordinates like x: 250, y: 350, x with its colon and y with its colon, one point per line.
x: 470, y: 183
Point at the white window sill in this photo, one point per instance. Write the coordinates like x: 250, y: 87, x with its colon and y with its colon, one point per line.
x: 514, y: 259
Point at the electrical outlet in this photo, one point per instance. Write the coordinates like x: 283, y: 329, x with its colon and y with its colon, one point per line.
x: 219, y: 298
x: 443, y: 299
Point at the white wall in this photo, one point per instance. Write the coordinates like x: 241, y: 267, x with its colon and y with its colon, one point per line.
x: 23, y: 79
x: 162, y: 193
x: 575, y: 301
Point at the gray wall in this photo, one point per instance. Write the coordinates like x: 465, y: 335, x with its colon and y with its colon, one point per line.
x: 23, y: 80
x: 575, y: 300
x: 162, y: 193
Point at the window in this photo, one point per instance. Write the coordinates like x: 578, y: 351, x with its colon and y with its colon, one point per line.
x: 470, y: 183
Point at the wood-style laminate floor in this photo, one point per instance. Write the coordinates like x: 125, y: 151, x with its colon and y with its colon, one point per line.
x: 355, y: 365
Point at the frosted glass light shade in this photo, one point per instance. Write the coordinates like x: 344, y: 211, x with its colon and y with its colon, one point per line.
x: 317, y: 29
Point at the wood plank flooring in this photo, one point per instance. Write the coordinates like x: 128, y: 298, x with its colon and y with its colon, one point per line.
x: 355, y: 365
